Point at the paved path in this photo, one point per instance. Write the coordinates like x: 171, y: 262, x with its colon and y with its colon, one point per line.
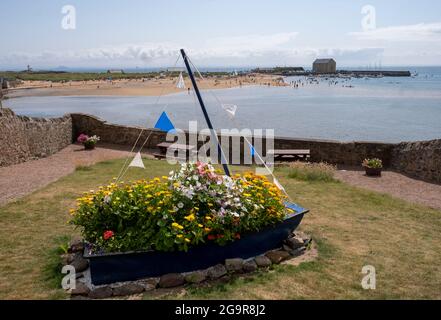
x: 395, y: 184
x: 21, y: 179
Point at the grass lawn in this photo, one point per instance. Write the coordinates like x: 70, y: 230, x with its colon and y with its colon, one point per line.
x: 352, y: 227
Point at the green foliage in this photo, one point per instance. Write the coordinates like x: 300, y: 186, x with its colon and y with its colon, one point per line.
x: 373, y: 163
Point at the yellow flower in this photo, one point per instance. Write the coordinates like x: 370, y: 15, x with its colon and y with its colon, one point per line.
x: 200, y: 225
x: 207, y: 218
x: 207, y: 229
x: 189, y: 217
x: 179, y: 236
x: 247, y: 195
x: 187, y: 240
x: 177, y: 226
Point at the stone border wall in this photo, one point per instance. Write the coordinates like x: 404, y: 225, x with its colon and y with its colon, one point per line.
x: 25, y: 138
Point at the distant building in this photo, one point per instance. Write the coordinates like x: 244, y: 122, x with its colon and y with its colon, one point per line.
x: 324, y: 66
x: 119, y: 71
x: 4, y: 83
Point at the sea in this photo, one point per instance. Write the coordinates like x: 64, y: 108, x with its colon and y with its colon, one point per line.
x: 385, y: 109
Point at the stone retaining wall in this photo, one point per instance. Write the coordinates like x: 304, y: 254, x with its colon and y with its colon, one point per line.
x: 25, y: 138
x: 421, y: 159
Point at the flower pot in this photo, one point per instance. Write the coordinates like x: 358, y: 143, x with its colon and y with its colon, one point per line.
x: 129, y: 266
x: 89, y: 146
x: 373, y: 172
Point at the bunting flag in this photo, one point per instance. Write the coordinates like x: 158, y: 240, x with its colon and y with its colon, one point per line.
x: 180, y: 84
x: 164, y: 123
x: 137, y: 161
x: 230, y: 109
x: 252, y: 150
x: 278, y: 185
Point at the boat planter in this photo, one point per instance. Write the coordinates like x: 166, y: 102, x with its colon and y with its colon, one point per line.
x: 129, y: 266
x: 373, y: 172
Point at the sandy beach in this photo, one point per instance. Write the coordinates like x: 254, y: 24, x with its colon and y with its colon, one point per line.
x: 135, y: 87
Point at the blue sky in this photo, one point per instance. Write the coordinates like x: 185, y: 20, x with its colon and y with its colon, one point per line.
x: 144, y: 33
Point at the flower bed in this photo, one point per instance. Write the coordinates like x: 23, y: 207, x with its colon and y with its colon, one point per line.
x: 190, y: 207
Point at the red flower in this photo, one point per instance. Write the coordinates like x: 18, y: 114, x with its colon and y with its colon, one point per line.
x: 237, y: 235
x: 108, y: 234
x: 220, y: 236
x: 211, y: 237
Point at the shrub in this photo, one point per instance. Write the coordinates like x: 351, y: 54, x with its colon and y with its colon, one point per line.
x: 312, y: 171
x: 372, y: 163
x: 190, y: 206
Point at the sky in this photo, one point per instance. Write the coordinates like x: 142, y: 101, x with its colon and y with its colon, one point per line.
x: 218, y: 33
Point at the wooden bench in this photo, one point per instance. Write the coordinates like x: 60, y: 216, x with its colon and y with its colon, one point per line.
x: 164, y: 146
x: 290, y: 154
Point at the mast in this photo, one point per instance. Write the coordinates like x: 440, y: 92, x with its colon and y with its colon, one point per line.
x: 204, y: 111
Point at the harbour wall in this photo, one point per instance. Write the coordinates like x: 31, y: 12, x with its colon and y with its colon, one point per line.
x: 25, y: 138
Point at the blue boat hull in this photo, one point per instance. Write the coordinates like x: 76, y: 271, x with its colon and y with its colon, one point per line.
x: 118, y: 267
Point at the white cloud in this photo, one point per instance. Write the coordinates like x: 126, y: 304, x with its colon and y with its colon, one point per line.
x: 410, y: 33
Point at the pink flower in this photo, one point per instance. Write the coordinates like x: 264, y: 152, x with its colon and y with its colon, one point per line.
x: 82, y: 138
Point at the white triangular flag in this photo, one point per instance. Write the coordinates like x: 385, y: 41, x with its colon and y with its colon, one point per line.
x: 278, y: 185
x: 230, y: 108
x: 181, y: 83
x: 137, y: 161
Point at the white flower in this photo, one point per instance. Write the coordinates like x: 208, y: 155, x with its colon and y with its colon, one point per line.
x: 180, y: 205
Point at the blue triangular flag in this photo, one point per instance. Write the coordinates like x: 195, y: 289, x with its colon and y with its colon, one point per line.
x: 164, y: 123
x: 252, y: 150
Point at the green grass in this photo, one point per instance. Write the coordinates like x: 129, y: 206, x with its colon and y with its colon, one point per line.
x: 352, y: 228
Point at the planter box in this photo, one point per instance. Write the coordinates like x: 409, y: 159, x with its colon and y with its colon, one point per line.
x: 130, y: 266
x: 373, y: 172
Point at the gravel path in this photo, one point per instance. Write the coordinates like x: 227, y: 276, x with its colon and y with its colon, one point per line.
x: 21, y: 179
x: 395, y: 184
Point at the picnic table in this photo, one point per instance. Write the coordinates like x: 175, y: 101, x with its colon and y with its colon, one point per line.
x: 165, y: 146
x: 290, y: 154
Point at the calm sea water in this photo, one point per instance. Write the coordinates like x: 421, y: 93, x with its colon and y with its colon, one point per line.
x: 383, y: 109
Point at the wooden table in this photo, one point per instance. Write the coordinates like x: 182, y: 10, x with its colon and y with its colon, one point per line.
x: 164, y: 146
x: 290, y: 154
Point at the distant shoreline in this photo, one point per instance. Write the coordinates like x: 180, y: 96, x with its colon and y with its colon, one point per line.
x: 134, y: 87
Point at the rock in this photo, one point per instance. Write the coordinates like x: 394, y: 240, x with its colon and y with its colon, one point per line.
x: 171, y: 280
x: 79, y: 298
x: 101, y: 292
x: 196, y: 277
x: 80, y: 289
x: 249, y: 266
x: 216, y: 271
x: 234, y: 265
x: 297, y: 252
x: 277, y: 256
x: 295, y: 242
x: 76, y: 245
x: 149, y: 284
x: 286, y: 248
x: 262, y: 261
x: 67, y: 258
x: 128, y: 289
x: 79, y: 263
